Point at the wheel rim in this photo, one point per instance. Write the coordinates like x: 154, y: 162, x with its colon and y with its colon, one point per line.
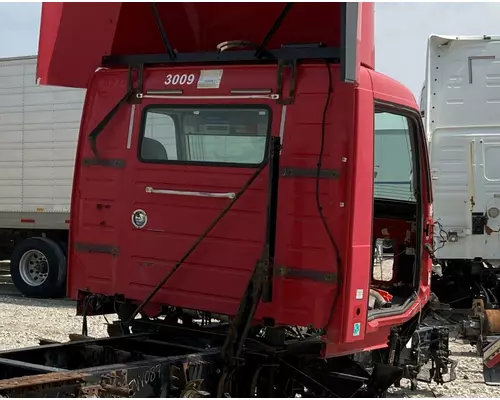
x: 34, y: 268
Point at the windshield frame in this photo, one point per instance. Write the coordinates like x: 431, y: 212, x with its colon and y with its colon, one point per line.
x: 256, y: 106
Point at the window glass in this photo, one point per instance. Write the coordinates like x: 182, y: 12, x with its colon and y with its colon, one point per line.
x: 393, y: 158
x: 211, y: 135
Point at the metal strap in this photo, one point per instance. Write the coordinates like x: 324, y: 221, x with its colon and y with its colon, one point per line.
x: 104, y: 162
x: 96, y: 248
x: 294, y: 172
x: 319, y: 276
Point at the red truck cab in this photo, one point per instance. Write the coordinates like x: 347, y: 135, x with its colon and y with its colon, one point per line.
x: 289, y: 127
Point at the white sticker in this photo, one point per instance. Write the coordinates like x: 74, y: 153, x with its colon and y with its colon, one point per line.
x: 410, y: 251
x: 209, y: 79
x: 357, y: 329
x: 359, y: 294
x: 408, y: 345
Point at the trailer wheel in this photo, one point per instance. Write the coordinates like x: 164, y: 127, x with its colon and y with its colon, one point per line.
x: 38, y: 268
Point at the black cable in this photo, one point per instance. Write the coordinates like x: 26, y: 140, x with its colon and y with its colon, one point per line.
x: 443, y: 236
x: 161, y: 30
x: 318, y: 203
x: 272, y: 31
x: 443, y: 239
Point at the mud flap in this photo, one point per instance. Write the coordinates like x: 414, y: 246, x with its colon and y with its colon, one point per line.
x: 382, y: 378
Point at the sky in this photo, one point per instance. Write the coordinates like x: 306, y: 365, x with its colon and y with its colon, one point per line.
x: 401, y: 32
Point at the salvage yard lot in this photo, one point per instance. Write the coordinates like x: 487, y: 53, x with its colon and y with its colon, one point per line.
x: 469, y: 382
x: 24, y: 321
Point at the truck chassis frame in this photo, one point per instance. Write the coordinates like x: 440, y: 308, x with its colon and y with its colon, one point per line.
x: 172, y: 360
x: 108, y: 367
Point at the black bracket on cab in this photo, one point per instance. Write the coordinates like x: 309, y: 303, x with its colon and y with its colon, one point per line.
x: 282, y: 65
x: 129, y: 97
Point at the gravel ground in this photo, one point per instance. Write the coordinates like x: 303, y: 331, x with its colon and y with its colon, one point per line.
x: 469, y: 370
x: 24, y: 321
x: 469, y: 381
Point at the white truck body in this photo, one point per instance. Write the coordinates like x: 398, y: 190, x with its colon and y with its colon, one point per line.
x: 460, y: 104
x: 38, y: 135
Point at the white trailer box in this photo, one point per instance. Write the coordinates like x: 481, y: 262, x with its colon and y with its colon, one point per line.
x: 39, y: 128
x: 461, y: 108
x: 460, y: 104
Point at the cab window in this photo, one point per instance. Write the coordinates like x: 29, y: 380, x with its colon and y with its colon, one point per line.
x: 205, y: 135
x: 393, y: 158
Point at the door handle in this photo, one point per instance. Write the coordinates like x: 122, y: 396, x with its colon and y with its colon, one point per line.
x: 149, y: 189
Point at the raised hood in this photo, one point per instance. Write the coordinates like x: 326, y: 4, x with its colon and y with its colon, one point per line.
x: 75, y: 36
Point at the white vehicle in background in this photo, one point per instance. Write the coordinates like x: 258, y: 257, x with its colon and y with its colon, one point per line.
x: 38, y: 134
x: 460, y: 104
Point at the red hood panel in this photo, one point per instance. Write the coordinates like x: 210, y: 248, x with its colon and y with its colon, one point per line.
x: 75, y: 36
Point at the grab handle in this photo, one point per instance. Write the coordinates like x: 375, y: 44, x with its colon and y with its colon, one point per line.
x: 188, y: 193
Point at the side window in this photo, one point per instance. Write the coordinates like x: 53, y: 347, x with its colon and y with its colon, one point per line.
x: 159, y: 141
x: 393, y: 158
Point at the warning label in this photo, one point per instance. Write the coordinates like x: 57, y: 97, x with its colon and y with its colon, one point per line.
x: 209, y: 79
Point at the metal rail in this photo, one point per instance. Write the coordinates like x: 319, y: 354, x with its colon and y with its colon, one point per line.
x: 131, y: 366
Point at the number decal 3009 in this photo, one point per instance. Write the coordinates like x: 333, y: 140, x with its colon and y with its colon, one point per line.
x: 178, y: 79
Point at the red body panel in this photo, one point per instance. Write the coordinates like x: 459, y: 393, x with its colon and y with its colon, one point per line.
x: 75, y: 36
x: 222, y: 263
x: 214, y: 277
x: 376, y: 331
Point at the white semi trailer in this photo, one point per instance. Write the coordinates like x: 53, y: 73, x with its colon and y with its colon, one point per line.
x: 460, y: 104
x: 38, y: 132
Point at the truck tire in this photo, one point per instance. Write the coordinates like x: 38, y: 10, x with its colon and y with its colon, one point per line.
x: 38, y: 268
